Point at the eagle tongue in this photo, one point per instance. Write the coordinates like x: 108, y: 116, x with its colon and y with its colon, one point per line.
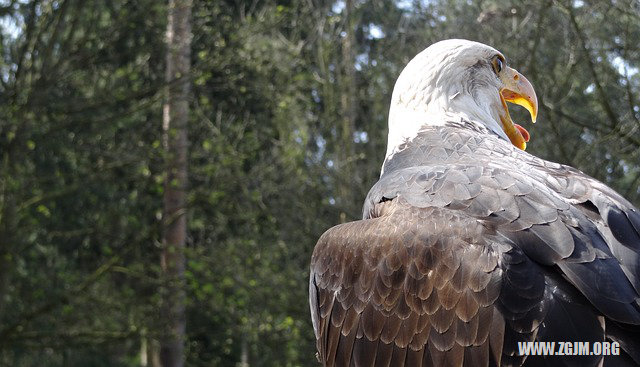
x: 523, y: 131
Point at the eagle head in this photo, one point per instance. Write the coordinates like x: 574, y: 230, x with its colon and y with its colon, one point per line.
x: 455, y: 79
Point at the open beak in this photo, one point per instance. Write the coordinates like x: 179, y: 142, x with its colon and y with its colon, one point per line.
x: 517, y: 89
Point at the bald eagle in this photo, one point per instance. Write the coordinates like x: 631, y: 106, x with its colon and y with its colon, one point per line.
x: 469, y: 248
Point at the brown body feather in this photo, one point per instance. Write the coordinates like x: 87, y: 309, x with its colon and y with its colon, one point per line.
x: 468, y: 246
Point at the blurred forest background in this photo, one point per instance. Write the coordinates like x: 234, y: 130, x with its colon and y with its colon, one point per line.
x: 285, y: 109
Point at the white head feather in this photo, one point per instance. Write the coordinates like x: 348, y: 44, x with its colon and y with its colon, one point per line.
x: 451, y: 79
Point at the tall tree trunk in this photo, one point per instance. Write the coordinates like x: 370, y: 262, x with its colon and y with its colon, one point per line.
x: 175, y: 120
x: 348, y: 111
x: 244, y: 352
x: 8, y: 225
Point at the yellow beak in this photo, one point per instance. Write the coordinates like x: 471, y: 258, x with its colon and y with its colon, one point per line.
x: 517, y: 89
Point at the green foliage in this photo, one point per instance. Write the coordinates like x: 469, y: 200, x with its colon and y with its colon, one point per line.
x: 81, y: 158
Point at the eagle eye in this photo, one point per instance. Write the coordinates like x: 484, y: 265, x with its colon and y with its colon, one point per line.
x: 497, y: 62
